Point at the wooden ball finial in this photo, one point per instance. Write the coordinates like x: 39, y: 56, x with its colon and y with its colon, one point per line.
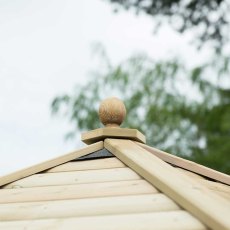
x: 112, y: 112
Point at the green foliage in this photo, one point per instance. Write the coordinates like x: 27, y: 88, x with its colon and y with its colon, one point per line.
x: 208, y: 19
x: 180, y: 110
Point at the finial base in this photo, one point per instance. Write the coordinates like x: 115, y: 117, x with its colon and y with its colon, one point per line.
x: 112, y: 132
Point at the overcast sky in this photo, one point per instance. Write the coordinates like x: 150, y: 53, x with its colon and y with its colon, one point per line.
x: 45, y: 51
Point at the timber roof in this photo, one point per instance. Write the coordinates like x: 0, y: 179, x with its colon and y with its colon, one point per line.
x: 118, y: 182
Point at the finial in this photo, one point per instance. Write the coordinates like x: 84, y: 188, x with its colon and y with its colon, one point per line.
x: 112, y: 112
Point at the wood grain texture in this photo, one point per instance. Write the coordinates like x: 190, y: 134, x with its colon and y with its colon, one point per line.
x: 221, y: 189
x: 112, y: 112
x: 103, y: 163
x: 66, y: 192
x: 87, y: 207
x: 210, y: 208
x: 174, y: 220
x: 189, y: 173
x: 50, y: 163
x: 103, y: 133
x: 189, y: 165
x: 78, y: 177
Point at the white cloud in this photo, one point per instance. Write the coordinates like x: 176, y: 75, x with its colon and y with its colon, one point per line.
x: 45, y: 51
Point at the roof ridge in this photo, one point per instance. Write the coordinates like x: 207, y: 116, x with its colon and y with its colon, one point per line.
x: 50, y: 163
x: 188, y: 165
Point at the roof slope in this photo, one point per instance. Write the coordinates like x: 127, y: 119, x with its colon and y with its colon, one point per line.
x: 99, y: 194
x: 130, y: 186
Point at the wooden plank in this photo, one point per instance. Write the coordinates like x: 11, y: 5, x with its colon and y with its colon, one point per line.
x: 189, y: 173
x: 210, y: 208
x: 87, y: 207
x: 219, y: 188
x: 76, y: 191
x: 114, y: 132
x: 78, y: 177
x: 174, y: 220
x: 189, y: 165
x: 50, y: 163
x: 104, y: 163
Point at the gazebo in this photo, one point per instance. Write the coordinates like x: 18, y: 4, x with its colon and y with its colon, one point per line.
x: 116, y: 182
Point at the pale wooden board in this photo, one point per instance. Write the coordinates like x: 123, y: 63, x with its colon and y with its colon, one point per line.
x: 87, y: 207
x: 103, y: 163
x: 189, y: 173
x: 76, y: 191
x: 174, y: 220
x: 50, y: 163
x: 114, y: 132
x: 210, y: 208
x: 189, y: 165
x: 78, y: 177
x: 221, y: 189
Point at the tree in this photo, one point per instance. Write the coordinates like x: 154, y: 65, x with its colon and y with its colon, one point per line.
x: 208, y: 19
x: 155, y: 94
